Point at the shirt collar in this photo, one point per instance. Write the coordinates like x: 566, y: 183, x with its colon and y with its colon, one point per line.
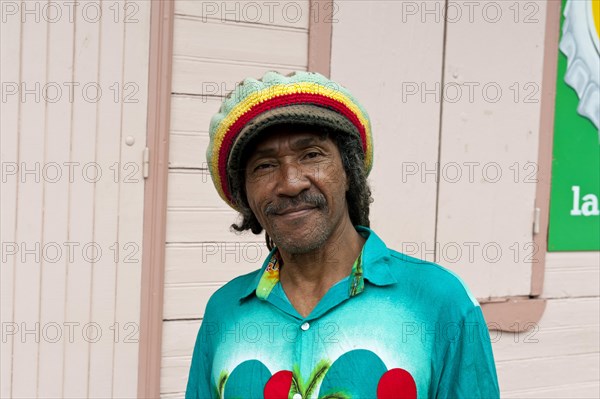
x: 372, y: 264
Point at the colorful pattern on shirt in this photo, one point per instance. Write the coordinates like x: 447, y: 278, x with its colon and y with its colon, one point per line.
x: 270, y: 277
x: 396, y: 327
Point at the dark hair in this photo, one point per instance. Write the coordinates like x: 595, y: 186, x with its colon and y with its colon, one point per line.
x: 358, y: 195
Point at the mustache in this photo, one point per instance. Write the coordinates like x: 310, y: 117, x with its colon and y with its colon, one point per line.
x: 303, y: 199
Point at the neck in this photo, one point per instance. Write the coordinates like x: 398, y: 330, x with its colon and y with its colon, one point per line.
x: 311, y: 275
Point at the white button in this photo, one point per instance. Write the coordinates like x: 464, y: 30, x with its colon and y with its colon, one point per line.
x: 305, y: 327
x: 297, y: 395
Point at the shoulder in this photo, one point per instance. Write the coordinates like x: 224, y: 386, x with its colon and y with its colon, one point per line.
x: 227, y: 297
x: 434, y: 282
x: 436, y: 290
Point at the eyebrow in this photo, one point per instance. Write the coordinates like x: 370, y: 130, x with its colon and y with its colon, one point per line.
x: 297, y: 143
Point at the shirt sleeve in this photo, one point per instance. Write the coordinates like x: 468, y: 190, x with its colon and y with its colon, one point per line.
x: 199, y: 381
x: 468, y: 369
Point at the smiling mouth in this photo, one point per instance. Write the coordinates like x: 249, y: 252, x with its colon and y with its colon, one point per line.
x: 296, y: 212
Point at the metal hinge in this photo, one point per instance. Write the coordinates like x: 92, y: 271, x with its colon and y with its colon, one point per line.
x: 536, y: 220
x: 146, y: 163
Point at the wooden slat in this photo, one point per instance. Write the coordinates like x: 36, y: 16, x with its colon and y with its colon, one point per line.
x: 179, y: 337
x: 10, y: 62
x: 212, y: 77
x: 189, y: 189
x: 191, y: 226
x: 30, y: 210
x: 541, y: 341
x: 589, y: 390
x: 212, y: 261
x: 571, y: 282
x: 289, y: 13
x: 557, y: 370
x: 188, y: 301
x: 190, y: 120
x: 81, y: 208
x: 192, y: 114
x: 174, y: 395
x: 489, y: 128
x: 240, y: 42
x: 131, y: 195
x: 194, y: 272
x: 10, y: 30
x: 188, y: 150
x: 106, y: 208
x: 56, y: 211
x: 174, y: 375
x: 561, y: 313
x: 572, y: 274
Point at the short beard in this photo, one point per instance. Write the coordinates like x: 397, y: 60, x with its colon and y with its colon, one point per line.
x: 317, y: 235
x: 315, y: 239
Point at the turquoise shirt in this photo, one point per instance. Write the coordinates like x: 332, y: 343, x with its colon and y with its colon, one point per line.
x: 396, y: 327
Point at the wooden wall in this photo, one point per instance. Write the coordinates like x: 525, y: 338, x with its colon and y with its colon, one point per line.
x: 74, y: 80
x: 442, y: 131
x: 559, y: 357
x: 442, y: 134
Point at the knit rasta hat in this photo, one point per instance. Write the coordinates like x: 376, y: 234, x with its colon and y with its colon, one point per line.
x: 301, y: 98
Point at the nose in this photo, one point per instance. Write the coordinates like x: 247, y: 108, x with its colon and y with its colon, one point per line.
x: 292, y: 180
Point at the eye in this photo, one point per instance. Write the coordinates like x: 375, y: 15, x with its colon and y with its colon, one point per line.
x: 263, y: 166
x: 312, y: 154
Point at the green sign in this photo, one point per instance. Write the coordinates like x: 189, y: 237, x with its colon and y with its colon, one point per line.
x: 574, y: 211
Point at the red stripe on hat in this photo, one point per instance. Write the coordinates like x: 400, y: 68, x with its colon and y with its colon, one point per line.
x: 275, y: 102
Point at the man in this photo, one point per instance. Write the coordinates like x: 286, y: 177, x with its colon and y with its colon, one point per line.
x: 333, y: 312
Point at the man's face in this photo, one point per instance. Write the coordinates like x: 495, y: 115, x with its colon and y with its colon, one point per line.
x: 296, y: 186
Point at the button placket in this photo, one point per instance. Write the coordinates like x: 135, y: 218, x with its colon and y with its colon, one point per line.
x: 306, y: 349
